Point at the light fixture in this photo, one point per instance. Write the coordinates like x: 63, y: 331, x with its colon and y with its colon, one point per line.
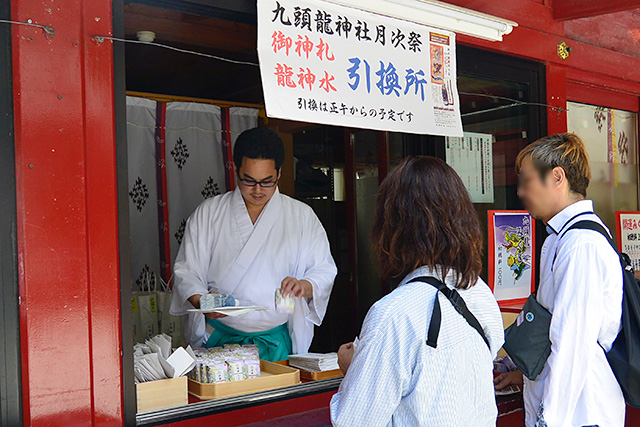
x: 146, y: 36
x: 437, y: 14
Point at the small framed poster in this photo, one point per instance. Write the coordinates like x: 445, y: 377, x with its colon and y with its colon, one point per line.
x: 628, y: 234
x: 511, y: 256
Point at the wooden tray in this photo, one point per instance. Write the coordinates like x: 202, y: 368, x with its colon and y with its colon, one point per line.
x: 316, y: 376
x: 161, y: 394
x: 313, y: 376
x: 272, y: 375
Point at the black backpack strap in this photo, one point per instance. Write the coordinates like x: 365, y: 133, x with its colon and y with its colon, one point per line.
x: 592, y: 225
x: 458, y: 303
x: 625, y: 261
x: 595, y: 226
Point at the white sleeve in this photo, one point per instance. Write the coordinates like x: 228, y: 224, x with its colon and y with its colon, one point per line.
x: 379, y: 375
x: 319, y: 269
x: 192, y: 262
x: 490, y: 319
x: 575, y: 324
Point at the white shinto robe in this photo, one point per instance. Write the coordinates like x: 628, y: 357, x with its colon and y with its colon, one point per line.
x: 223, y: 251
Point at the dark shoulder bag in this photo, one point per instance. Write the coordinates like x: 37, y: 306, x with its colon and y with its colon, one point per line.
x: 526, y: 341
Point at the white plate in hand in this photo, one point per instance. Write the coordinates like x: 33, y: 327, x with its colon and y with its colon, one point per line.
x: 230, y: 311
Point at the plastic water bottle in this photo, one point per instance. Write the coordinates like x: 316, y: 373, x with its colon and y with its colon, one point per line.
x: 212, y: 301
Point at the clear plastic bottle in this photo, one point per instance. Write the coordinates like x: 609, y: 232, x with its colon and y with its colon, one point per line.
x: 215, y: 300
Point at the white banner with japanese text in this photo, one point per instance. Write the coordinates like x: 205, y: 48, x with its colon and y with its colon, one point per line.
x: 325, y: 63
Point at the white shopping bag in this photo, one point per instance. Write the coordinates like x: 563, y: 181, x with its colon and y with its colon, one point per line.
x: 168, y: 324
x: 137, y: 326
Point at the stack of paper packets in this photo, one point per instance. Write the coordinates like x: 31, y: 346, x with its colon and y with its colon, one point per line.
x: 314, y: 362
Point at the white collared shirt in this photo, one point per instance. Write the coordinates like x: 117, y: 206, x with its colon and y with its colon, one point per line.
x: 583, y: 292
x: 395, y: 379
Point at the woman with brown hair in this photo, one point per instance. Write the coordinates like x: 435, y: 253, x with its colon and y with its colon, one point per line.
x: 419, y: 360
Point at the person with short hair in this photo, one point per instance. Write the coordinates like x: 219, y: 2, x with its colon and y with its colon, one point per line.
x: 425, y: 225
x: 248, y: 243
x: 580, y: 285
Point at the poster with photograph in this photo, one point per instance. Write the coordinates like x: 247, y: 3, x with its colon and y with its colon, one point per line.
x: 628, y: 233
x: 511, y: 256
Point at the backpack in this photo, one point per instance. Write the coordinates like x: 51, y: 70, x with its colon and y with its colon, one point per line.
x: 624, y: 356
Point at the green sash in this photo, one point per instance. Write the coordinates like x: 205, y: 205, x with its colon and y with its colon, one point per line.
x: 274, y: 344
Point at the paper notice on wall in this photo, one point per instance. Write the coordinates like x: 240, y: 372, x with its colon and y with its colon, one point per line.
x: 628, y: 231
x: 472, y: 158
x: 325, y: 63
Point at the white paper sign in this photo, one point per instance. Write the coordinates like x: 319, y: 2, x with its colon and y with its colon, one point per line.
x: 472, y: 158
x: 325, y: 63
x: 629, y: 236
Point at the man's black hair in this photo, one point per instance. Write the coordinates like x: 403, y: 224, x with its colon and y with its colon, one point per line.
x: 259, y: 143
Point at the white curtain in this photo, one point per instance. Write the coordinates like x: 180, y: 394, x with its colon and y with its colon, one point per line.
x: 194, y: 169
x: 143, y: 200
x: 241, y: 119
x: 195, y: 166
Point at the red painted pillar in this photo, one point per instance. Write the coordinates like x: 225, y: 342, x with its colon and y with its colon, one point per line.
x: 67, y: 214
x: 556, y: 76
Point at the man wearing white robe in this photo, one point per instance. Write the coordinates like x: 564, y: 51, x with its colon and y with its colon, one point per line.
x: 250, y: 242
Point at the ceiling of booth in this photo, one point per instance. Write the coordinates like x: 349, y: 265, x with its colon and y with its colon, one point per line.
x: 227, y: 28
x: 157, y: 70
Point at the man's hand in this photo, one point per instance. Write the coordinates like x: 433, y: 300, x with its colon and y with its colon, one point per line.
x: 507, y: 379
x: 298, y: 288
x: 345, y: 354
x: 195, y: 301
x: 214, y: 315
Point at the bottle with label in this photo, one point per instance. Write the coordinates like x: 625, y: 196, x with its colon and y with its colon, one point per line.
x: 445, y: 94
x: 215, y: 300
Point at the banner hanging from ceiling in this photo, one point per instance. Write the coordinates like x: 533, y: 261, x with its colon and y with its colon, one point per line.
x: 329, y: 64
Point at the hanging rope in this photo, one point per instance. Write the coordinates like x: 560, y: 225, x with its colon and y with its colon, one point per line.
x: 48, y: 31
x: 101, y: 39
x: 514, y: 103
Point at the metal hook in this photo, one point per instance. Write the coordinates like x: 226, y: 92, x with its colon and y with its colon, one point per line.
x: 48, y: 31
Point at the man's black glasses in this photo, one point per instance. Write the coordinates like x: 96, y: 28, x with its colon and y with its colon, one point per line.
x: 262, y: 184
